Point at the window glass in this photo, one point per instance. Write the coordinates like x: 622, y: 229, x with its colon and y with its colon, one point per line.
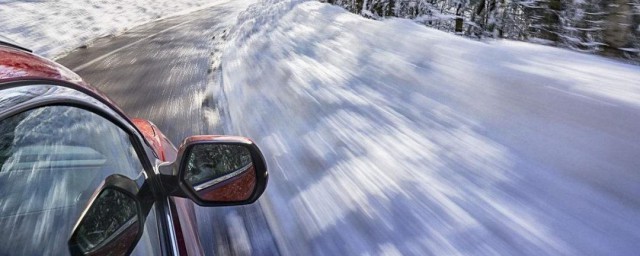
x: 51, y: 161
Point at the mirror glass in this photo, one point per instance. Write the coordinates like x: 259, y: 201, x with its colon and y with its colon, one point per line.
x: 220, y: 172
x: 111, y: 224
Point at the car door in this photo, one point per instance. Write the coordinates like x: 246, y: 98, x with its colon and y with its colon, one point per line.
x: 57, y: 145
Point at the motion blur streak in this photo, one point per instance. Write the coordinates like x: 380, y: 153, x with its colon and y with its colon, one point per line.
x: 392, y: 138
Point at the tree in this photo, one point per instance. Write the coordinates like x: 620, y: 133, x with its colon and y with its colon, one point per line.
x: 617, y: 27
x: 609, y: 27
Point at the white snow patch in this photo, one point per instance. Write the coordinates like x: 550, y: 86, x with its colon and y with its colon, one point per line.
x: 238, y: 234
x: 387, y: 137
x: 51, y: 28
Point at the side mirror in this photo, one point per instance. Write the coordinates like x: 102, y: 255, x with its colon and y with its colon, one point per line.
x: 220, y: 170
x: 112, y: 224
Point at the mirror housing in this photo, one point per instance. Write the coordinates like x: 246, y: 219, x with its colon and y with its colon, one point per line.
x: 217, y: 171
x: 112, y: 223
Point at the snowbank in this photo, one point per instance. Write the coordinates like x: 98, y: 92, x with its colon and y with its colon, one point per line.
x: 386, y: 137
x: 51, y: 28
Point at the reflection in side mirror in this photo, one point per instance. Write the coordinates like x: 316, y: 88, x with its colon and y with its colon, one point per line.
x: 220, y: 172
x: 112, y: 223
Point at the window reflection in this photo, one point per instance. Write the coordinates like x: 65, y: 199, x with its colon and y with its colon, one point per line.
x: 52, y: 159
x: 111, y: 218
x: 210, y: 161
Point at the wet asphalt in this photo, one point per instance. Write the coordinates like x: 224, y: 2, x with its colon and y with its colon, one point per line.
x: 166, y: 71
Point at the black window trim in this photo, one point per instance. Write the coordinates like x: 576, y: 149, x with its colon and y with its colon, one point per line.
x: 6, y: 43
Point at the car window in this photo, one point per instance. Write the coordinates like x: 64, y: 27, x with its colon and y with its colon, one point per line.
x: 51, y: 161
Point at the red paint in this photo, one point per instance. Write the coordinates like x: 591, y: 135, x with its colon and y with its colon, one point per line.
x: 170, y: 151
x: 238, y: 188
x: 151, y: 135
x: 20, y: 64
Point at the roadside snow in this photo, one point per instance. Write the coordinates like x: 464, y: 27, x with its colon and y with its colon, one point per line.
x: 386, y: 137
x: 52, y: 28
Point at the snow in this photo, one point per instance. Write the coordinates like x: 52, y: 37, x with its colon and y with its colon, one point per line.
x: 390, y: 138
x: 52, y: 28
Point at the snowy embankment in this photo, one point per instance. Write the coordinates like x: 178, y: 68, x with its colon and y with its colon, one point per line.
x: 392, y: 138
x: 51, y: 28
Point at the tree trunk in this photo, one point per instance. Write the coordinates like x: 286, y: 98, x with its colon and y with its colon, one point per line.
x: 459, y: 20
x: 617, y: 27
x: 552, y: 22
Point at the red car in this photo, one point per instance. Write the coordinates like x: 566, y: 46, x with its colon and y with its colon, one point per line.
x: 77, y: 176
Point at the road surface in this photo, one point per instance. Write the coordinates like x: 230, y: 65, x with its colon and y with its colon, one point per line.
x: 167, y: 71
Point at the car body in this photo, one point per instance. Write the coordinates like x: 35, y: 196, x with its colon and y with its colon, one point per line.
x: 62, y: 139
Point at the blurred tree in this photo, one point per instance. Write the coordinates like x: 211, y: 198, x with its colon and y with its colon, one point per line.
x: 608, y: 27
x: 617, y: 26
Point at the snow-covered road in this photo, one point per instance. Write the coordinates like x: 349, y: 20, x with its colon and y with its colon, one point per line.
x: 392, y: 138
x: 382, y: 138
